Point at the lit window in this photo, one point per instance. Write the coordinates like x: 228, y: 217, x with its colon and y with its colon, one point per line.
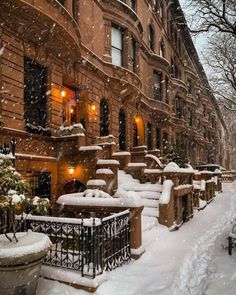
x: 70, y: 106
x: 117, y: 46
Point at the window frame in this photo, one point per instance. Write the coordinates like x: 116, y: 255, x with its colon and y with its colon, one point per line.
x: 114, y: 48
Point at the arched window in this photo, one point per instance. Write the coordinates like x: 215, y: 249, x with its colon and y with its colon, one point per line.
x: 151, y: 37
x: 122, y: 130
x: 149, y: 136
x: 104, y: 118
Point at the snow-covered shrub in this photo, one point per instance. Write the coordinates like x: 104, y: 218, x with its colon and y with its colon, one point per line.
x: 14, y: 198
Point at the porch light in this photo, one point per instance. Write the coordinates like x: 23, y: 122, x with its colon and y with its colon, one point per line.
x: 63, y: 93
x: 93, y: 107
x: 71, y: 170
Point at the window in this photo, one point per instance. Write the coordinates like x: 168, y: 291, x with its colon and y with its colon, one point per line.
x: 35, y: 101
x: 133, y: 55
x: 117, y: 46
x: 191, y: 118
x: 133, y: 5
x: 104, y: 118
x: 158, y: 138
x: 62, y: 2
x: 165, y: 140
x: 151, y: 37
x: 70, y: 112
x: 122, y: 130
x: 40, y: 184
x: 161, y: 12
x: 74, y: 8
x: 178, y: 110
x: 157, y: 89
x: 162, y: 49
x: 149, y: 136
x: 189, y: 86
x: 167, y: 88
x: 172, y: 67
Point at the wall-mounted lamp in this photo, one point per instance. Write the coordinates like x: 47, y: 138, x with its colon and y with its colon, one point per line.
x: 71, y: 170
x: 63, y: 93
x: 93, y: 107
x: 136, y: 120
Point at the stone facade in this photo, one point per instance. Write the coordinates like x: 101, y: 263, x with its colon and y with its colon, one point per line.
x: 156, y: 96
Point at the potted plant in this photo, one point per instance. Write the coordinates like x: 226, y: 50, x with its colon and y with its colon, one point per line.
x: 21, y: 253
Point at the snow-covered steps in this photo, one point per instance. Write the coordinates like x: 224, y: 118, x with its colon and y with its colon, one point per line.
x: 151, y: 212
x: 150, y: 203
x: 149, y: 193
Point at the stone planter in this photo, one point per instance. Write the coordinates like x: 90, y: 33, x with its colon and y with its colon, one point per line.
x: 20, y: 268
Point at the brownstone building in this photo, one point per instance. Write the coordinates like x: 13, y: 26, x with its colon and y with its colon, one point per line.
x: 126, y: 70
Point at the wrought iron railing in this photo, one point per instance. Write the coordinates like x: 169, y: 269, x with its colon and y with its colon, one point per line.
x: 86, y: 245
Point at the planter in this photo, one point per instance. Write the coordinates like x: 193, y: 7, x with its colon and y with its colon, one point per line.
x: 20, y: 263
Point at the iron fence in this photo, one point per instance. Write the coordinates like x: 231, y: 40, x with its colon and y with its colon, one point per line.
x: 89, y: 246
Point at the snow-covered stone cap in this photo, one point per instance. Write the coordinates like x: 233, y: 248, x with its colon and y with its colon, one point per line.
x: 218, y: 171
x: 171, y: 167
x: 96, y: 182
x: 100, y: 198
x: 7, y: 157
x: 90, y: 148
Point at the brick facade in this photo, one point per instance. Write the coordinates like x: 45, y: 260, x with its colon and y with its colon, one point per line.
x: 73, y: 42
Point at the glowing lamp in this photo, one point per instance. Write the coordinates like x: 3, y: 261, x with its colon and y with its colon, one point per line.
x: 71, y: 170
x: 137, y: 120
x: 93, y: 107
x: 63, y: 93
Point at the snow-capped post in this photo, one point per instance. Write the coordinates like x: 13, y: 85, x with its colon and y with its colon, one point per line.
x: 21, y: 254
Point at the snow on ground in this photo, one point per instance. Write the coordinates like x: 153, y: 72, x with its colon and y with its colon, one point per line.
x: 188, y: 261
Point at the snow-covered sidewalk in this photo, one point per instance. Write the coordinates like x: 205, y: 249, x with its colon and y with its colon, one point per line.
x: 189, y: 261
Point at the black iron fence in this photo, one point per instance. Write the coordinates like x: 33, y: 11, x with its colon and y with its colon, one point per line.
x: 86, y: 245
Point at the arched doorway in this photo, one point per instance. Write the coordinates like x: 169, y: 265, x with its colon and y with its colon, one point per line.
x: 122, y: 130
x: 138, y: 131
x: 104, y: 118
